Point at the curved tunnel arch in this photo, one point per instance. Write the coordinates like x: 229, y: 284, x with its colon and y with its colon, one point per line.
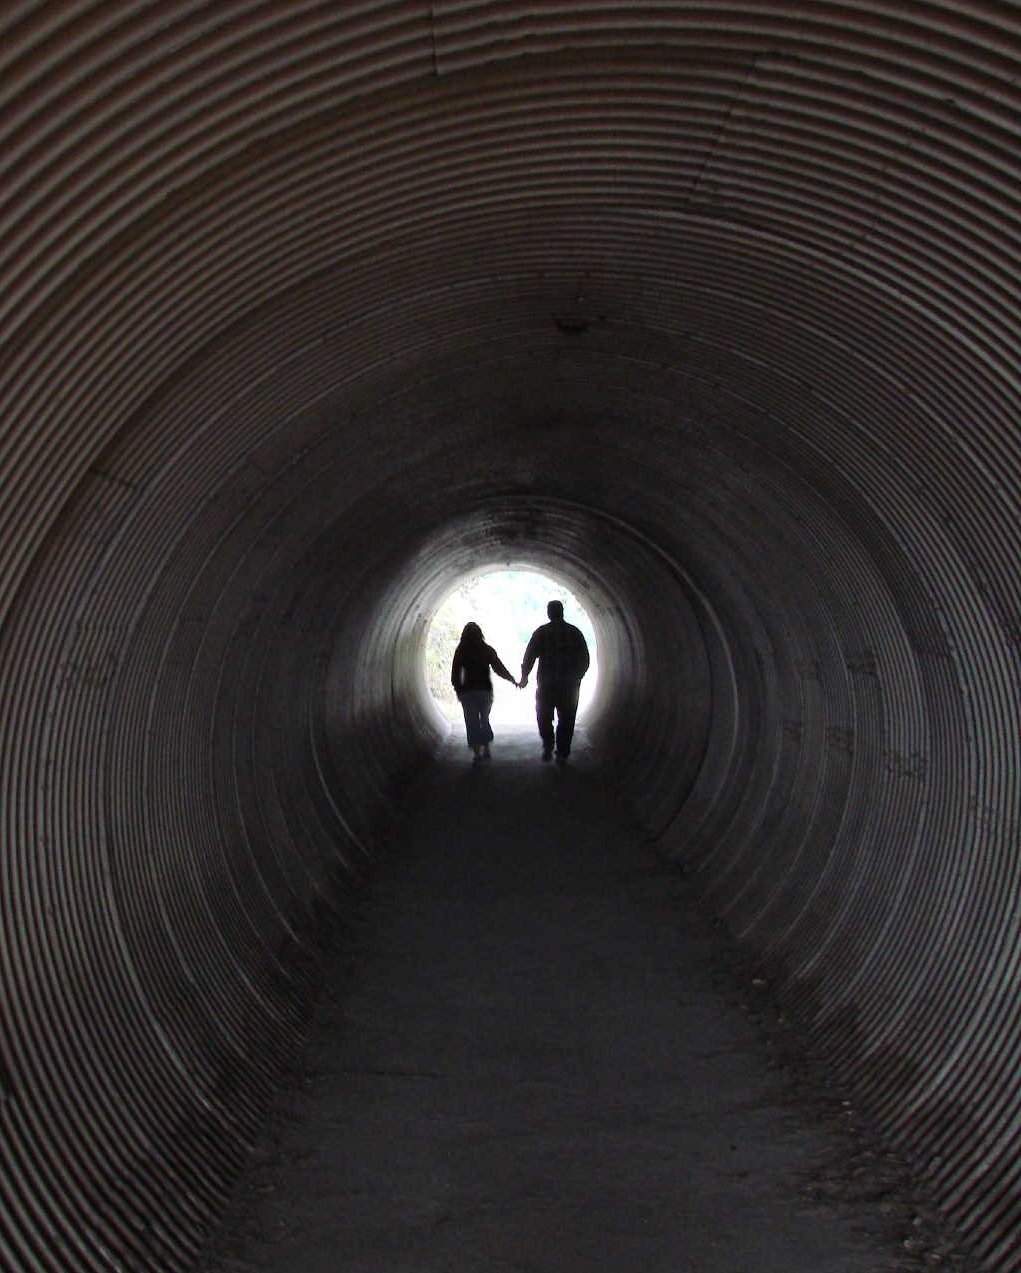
x: 307, y: 312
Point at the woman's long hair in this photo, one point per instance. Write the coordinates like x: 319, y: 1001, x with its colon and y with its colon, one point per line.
x: 471, y: 635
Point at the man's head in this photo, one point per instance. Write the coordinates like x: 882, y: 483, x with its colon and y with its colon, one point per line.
x: 555, y: 610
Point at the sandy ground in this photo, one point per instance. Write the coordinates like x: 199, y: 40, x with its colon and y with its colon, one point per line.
x: 533, y: 1054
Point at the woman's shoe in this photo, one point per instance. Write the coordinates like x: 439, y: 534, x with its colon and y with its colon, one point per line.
x: 485, y: 753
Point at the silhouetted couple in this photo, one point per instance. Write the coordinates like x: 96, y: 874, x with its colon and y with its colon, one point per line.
x: 563, y: 658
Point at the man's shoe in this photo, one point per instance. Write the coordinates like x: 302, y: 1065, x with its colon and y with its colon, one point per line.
x: 547, y: 753
x: 561, y: 758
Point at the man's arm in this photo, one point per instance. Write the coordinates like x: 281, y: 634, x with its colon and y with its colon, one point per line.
x: 531, y: 654
x: 583, y: 654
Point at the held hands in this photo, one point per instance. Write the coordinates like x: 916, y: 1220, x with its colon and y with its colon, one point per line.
x: 522, y: 683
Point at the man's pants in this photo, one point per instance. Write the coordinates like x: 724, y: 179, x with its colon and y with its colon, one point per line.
x: 562, y: 699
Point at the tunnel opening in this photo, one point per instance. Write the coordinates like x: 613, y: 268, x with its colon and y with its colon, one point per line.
x: 660, y: 720
x: 508, y: 602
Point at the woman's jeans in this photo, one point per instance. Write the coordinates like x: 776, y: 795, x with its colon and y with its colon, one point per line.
x: 476, y: 705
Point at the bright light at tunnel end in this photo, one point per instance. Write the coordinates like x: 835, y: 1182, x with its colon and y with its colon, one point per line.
x: 508, y: 603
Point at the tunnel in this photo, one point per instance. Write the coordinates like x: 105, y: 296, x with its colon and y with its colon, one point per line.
x: 311, y: 310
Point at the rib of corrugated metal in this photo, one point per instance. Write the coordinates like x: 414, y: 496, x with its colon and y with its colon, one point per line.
x: 308, y: 308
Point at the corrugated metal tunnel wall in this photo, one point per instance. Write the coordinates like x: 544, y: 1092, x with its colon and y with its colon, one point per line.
x: 309, y: 308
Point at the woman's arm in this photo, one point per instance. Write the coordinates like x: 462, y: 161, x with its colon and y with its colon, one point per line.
x: 499, y: 669
x: 455, y: 672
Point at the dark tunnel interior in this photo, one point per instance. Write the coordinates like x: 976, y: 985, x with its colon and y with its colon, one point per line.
x: 310, y: 311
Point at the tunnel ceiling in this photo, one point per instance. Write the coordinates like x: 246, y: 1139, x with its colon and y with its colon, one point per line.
x: 309, y: 308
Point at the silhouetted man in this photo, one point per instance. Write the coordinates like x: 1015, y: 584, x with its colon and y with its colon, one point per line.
x: 563, y: 661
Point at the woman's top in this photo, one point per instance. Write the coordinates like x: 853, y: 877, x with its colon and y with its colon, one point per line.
x: 470, y: 670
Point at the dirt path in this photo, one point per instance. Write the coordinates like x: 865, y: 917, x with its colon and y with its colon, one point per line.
x: 523, y: 1061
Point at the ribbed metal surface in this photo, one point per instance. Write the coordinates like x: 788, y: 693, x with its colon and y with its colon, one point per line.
x: 306, y: 309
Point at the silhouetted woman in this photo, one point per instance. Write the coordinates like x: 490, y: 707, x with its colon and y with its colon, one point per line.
x: 473, y: 686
